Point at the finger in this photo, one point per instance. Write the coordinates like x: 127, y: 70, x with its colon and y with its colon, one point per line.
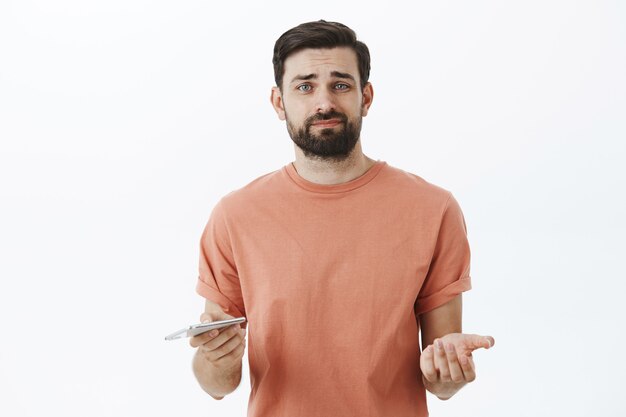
x: 467, y: 365
x: 235, y: 355
x: 471, y: 361
x: 208, y: 317
x: 441, y: 361
x: 226, y: 348
x: 427, y: 364
x: 474, y: 341
x: 456, y: 374
x: 201, y: 339
x: 224, y: 336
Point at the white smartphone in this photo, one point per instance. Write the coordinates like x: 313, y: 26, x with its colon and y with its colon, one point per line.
x: 196, y: 329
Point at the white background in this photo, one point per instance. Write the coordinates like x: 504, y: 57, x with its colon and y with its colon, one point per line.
x: 122, y: 123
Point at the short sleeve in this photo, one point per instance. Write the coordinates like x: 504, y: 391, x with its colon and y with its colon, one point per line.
x: 449, y: 271
x: 218, y: 280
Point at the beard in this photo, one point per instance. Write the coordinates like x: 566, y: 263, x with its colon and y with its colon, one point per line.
x: 329, y: 144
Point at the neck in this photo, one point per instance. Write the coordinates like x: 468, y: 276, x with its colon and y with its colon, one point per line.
x: 329, y: 172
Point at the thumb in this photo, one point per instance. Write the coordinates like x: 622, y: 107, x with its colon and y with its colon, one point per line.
x: 206, y: 318
x: 474, y: 341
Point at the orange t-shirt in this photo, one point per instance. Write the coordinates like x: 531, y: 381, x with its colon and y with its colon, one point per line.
x: 331, y: 279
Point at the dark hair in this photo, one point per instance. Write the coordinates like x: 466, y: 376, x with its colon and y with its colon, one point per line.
x: 320, y: 34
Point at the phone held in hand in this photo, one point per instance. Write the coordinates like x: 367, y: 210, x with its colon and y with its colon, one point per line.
x: 196, y: 329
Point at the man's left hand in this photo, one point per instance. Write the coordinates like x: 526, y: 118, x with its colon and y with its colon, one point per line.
x: 448, y: 365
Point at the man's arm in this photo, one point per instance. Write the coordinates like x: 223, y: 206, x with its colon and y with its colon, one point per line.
x: 446, y: 361
x: 217, y: 361
x: 442, y: 321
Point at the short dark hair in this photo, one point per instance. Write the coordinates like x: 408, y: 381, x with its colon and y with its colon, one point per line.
x: 320, y: 34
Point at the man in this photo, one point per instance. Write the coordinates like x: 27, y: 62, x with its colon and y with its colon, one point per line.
x: 336, y: 260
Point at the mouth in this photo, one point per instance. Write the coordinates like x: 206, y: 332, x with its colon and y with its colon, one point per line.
x: 327, y: 123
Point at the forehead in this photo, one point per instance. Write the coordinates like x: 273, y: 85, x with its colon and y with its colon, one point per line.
x: 321, y: 62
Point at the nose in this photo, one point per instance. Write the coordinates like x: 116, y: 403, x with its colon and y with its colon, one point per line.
x: 325, y: 101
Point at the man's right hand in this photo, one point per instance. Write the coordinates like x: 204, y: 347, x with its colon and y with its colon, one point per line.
x: 223, y: 348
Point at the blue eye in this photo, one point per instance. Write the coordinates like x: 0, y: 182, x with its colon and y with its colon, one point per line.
x: 346, y: 86
x: 303, y: 85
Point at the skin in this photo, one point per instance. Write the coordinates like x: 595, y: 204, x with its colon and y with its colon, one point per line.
x: 218, y: 358
x: 445, y: 369
x: 321, y: 95
x: 447, y: 362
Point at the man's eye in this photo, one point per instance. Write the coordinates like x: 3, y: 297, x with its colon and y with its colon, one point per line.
x: 342, y: 86
x: 304, y: 87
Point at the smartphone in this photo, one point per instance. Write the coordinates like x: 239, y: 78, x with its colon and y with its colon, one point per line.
x: 196, y: 329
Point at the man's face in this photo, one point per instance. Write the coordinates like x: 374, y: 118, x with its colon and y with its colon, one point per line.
x: 322, y: 101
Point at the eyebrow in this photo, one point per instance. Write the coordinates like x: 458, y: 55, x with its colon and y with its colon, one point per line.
x: 335, y: 74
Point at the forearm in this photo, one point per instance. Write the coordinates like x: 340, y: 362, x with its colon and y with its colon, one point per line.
x: 217, y: 382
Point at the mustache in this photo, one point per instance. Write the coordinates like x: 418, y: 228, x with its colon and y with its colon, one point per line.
x: 327, y: 116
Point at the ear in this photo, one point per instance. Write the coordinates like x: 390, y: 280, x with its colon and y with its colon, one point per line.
x: 277, y: 102
x: 368, y: 96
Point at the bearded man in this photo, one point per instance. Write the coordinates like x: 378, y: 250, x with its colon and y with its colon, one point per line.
x: 339, y: 262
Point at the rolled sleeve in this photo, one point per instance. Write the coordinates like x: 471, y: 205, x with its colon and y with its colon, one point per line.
x: 218, y: 280
x: 449, y: 271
